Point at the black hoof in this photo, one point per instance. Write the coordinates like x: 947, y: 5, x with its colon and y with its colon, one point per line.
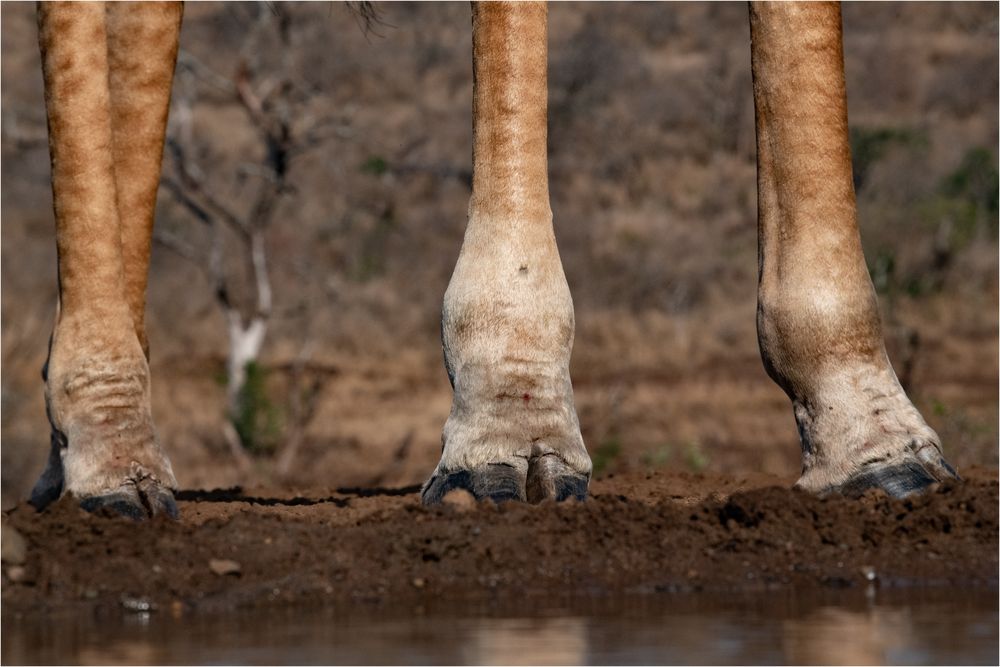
x: 49, y: 486
x: 137, y: 503
x: 159, y: 501
x: 116, y: 503
x: 499, y: 482
x: 549, y: 478
x: 898, y: 479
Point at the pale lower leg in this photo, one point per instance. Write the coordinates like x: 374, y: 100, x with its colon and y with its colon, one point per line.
x: 97, y: 376
x: 507, y: 325
x: 817, y: 316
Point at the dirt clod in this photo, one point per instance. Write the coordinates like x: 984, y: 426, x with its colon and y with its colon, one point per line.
x: 459, y: 499
x: 16, y: 574
x: 14, y: 548
x: 222, y: 566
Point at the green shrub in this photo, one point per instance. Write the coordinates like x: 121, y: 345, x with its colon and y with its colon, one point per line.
x: 869, y: 145
x: 258, y: 421
x: 606, y: 453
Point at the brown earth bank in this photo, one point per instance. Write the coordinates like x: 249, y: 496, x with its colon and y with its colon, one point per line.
x: 637, y: 533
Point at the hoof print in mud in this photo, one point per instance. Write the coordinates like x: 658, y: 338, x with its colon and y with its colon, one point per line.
x: 499, y: 482
x: 133, y: 504
x: 898, y: 480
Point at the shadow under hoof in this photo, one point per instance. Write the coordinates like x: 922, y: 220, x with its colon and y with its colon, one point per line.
x: 898, y: 480
x: 549, y: 478
x: 499, y: 482
x: 136, y: 503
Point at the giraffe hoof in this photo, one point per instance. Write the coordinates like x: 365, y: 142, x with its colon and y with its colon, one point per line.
x: 550, y: 478
x: 900, y: 479
x: 499, y: 482
x: 135, y: 501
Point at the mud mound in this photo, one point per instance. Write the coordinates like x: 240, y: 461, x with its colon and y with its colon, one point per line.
x: 645, y: 533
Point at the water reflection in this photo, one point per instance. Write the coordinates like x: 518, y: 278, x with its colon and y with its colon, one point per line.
x: 838, y: 637
x: 528, y: 641
x: 847, y: 628
x: 880, y: 635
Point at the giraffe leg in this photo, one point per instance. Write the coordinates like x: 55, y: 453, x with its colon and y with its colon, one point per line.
x: 142, y: 53
x: 817, y: 314
x: 507, y: 325
x: 105, y: 450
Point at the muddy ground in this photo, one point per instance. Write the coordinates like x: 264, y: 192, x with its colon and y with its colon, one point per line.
x: 652, y: 533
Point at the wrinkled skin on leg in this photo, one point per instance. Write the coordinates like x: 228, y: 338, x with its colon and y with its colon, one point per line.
x: 108, y: 72
x: 817, y: 315
x: 507, y: 325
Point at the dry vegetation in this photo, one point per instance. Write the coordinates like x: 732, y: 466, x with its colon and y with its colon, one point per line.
x: 654, y: 196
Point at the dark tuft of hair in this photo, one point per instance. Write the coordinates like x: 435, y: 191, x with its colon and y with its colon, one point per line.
x: 368, y: 18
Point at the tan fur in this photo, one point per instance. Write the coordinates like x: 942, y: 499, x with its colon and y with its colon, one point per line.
x: 817, y: 314
x: 107, y: 86
x: 142, y: 51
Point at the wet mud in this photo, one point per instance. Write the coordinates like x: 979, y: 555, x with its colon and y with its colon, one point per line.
x: 637, y: 533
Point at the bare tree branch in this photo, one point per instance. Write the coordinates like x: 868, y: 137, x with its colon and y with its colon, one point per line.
x: 275, y: 105
x: 248, y: 98
x: 191, y: 184
x: 260, y: 274
x: 178, y: 245
x: 182, y: 197
x: 201, y: 71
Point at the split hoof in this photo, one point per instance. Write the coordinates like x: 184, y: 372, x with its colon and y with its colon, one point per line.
x: 499, y: 482
x: 140, y: 501
x: 550, y: 478
x: 900, y: 479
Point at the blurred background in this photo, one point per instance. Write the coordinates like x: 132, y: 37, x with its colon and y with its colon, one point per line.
x: 343, y: 158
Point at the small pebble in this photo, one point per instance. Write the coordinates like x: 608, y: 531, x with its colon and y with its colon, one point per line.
x: 16, y: 573
x: 223, y: 566
x: 459, y: 499
x: 419, y: 582
x: 14, y: 548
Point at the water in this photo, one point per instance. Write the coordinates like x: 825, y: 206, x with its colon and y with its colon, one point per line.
x: 873, y: 627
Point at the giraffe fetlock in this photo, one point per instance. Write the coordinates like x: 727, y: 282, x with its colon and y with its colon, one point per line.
x: 104, y: 447
x: 859, y: 431
x: 513, y: 434
x: 823, y: 345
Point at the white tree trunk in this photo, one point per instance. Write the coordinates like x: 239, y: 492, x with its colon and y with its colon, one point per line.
x: 244, y: 347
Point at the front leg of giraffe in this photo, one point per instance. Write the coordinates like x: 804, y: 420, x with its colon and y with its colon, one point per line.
x: 817, y: 316
x: 107, y: 73
x: 507, y: 331
x: 507, y: 325
x: 104, y: 448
